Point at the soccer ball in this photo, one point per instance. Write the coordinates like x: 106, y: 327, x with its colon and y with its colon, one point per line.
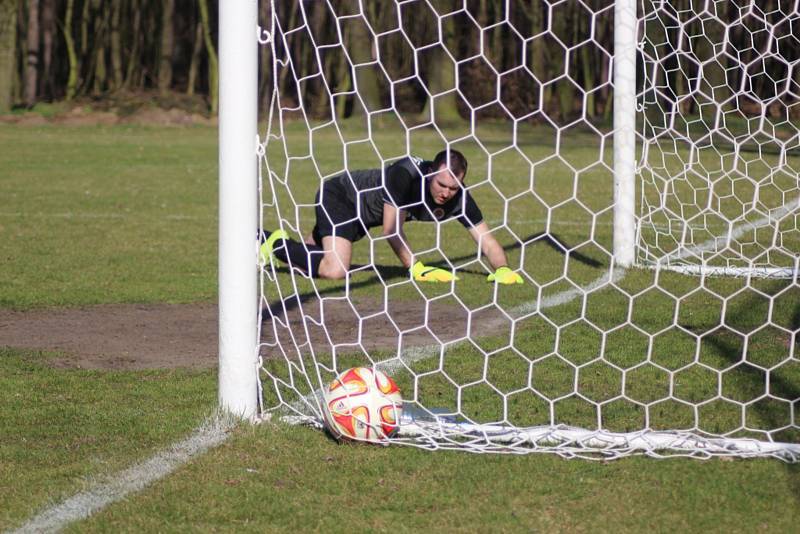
x: 363, y: 404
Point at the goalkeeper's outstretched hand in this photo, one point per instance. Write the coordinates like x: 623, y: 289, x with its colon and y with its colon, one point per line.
x: 422, y: 273
x: 504, y: 275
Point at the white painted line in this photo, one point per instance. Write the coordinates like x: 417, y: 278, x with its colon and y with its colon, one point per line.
x: 607, y: 224
x: 102, y: 493
x: 555, y: 222
x: 79, y: 215
x: 415, y: 354
x: 716, y: 244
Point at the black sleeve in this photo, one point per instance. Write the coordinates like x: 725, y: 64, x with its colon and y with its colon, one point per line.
x: 397, y: 186
x: 472, y: 213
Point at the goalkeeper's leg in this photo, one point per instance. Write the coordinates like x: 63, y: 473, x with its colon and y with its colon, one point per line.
x: 336, y: 259
x: 331, y: 260
x: 327, y: 250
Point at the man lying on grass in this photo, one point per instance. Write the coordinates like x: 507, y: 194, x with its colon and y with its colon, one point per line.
x: 348, y: 205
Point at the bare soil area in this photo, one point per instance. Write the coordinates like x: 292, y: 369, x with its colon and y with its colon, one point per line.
x: 118, y: 336
x: 161, y: 336
x: 363, y: 324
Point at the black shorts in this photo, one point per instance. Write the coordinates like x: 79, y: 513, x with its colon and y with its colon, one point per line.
x: 336, y: 215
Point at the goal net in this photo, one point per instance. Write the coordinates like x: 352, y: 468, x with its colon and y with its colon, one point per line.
x: 719, y: 113
x: 690, y: 349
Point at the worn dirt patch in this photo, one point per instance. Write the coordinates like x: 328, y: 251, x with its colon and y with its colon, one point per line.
x: 118, y: 336
x: 170, y: 336
x: 362, y: 324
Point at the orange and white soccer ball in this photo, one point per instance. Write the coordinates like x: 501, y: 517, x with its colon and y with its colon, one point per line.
x: 363, y: 404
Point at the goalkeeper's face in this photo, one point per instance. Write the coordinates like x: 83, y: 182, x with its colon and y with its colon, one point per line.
x: 444, y: 185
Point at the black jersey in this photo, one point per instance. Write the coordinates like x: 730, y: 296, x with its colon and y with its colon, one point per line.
x: 361, y: 195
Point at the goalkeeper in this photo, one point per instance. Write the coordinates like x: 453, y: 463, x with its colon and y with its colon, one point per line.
x: 348, y: 205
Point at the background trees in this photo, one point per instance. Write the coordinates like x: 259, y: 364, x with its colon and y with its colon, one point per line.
x: 8, y: 52
x: 536, y: 57
x: 63, y: 49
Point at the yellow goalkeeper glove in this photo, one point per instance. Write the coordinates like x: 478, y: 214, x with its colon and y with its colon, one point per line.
x: 421, y: 273
x: 504, y: 275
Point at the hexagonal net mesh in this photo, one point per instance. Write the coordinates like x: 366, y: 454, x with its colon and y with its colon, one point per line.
x: 589, y: 356
x: 720, y: 101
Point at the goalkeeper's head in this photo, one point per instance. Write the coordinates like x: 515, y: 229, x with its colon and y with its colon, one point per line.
x: 448, y: 178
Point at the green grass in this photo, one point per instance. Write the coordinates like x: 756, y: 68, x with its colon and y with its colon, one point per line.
x: 61, y: 428
x: 107, y: 214
x: 128, y: 214
x: 280, y: 479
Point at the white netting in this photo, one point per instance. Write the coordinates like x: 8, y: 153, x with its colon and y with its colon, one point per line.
x: 721, y: 101
x: 584, y: 359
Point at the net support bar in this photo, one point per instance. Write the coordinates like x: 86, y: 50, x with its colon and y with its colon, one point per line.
x: 238, y: 206
x: 600, y: 441
x: 624, y: 132
x: 442, y: 433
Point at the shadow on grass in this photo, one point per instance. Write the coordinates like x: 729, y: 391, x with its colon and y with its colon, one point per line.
x: 794, y: 469
x: 387, y: 272
x: 777, y: 386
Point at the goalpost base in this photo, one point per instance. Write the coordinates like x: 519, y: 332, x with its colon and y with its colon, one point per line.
x: 723, y: 271
x: 432, y: 432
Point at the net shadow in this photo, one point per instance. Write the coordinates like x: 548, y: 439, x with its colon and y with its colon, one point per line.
x: 554, y: 241
x: 778, y: 385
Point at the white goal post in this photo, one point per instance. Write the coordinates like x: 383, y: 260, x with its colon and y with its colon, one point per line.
x: 238, y: 206
x: 659, y: 248
x: 625, y: 132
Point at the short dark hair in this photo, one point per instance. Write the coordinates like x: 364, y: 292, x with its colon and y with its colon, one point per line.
x: 457, y: 162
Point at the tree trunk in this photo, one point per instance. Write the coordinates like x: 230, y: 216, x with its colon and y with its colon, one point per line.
x: 197, y: 48
x: 362, y: 50
x: 148, y: 71
x: 213, y: 72
x: 558, y: 64
x: 285, y: 71
x: 320, y: 99
x: 441, y: 75
x: 167, y: 47
x: 498, y: 39
x: 538, y: 59
x: 134, y: 60
x: 100, y: 27
x: 32, y: 56
x: 8, y: 52
x: 604, y: 31
x: 265, y: 59
x: 48, y: 29
x: 84, y: 70
x: 72, y: 57
x: 344, y: 82
x: 587, y: 65
x: 116, y: 44
x: 85, y: 20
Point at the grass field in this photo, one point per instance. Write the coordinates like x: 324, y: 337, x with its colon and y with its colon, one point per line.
x: 128, y: 215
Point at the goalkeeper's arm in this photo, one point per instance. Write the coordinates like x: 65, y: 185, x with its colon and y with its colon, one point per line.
x: 393, y: 219
x: 495, y: 254
x: 489, y: 245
